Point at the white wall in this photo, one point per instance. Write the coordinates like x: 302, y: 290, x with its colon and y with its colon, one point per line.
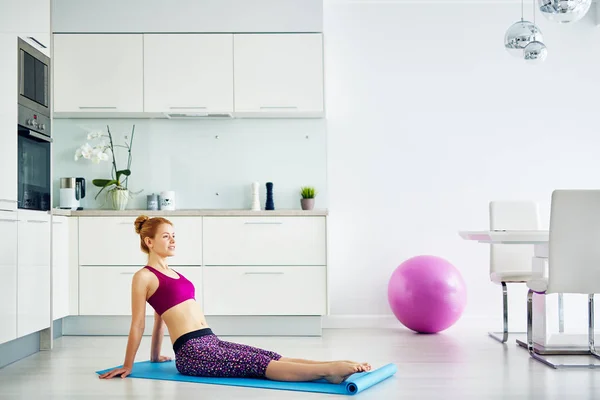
x: 428, y: 120
x: 187, y: 16
x: 187, y: 157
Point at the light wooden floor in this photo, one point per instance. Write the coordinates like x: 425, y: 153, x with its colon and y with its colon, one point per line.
x: 453, y: 365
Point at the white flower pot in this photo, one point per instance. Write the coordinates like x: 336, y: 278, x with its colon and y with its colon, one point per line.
x: 120, y: 198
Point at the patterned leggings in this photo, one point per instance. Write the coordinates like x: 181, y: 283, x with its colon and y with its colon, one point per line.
x: 204, y: 354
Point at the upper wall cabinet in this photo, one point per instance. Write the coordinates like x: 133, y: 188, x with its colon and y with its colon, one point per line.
x: 188, y: 73
x: 96, y: 74
x: 278, y: 74
x: 157, y: 75
x: 25, y: 15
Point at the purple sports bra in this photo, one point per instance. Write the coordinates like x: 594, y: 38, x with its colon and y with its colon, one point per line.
x: 170, y: 291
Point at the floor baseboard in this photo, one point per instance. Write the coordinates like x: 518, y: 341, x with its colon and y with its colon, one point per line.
x: 389, y: 321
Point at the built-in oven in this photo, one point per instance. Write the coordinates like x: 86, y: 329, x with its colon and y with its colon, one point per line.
x: 34, y: 78
x: 34, y: 160
x: 34, y: 130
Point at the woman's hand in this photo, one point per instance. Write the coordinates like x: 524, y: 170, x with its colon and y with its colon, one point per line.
x: 117, y: 371
x: 161, y: 359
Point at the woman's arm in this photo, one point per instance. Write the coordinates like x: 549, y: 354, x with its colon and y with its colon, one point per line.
x: 157, y: 336
x: 138, y: 324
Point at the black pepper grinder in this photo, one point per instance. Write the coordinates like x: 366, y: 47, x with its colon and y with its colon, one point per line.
x: 269, y: 205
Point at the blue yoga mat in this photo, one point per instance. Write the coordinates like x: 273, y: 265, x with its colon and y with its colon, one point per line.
x: 355, y: 383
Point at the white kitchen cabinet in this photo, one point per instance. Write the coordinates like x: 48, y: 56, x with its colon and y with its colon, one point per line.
x: 31, y: 15
x: 98, y: 73
x: 264, y: 241
x: 60, y: 267
x: 188, y: 73
x: 8, y: 274
x: 8, y: 121
x: 33, y: 277
x: 113, y: 241
x: 265, y: 290
x: 94, y: 281
x: 278, y: 74
x: 109, y: 241
x: 8, y: 160
x: 188, y: 241
x: 73, y: 246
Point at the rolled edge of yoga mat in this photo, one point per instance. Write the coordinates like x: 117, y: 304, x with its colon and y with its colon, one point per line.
x: 364, y: 381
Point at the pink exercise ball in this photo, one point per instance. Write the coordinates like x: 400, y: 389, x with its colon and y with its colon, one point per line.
x: 427, y: 294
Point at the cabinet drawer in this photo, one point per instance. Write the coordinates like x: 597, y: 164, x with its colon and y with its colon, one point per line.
x: 264, y: 241
x: 94, y: 299
x: 113, y: 241
x: 265, y: 290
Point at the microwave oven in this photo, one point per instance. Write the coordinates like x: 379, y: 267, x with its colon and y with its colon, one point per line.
x: 34, y: 78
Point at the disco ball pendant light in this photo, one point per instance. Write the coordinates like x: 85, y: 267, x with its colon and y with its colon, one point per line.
x: 524, y: 39
x: 564, y: 11
x: 535, y: 53
x: 519, y: 35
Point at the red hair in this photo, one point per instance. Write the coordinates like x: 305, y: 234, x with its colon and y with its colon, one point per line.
x: 147, y: 227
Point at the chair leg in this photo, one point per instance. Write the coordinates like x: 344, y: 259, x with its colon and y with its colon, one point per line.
x: 561, y: 314
x: 591, y: 326
x: 494, y: 335
x: 543, y: 360
x: 530, y: 348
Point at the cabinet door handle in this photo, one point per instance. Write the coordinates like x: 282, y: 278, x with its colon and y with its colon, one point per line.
x: 127, y: 273
x: 187, y: 108
x: 278, y: 107
x: 263, y: 223
x: 125, y: 223
x: 7, y: 208
x: 263, y: 273
x: 7, y: 220
x: 57, y: 222
x: 37, y: 41
x: 37, y: 221
x: 97, y: 108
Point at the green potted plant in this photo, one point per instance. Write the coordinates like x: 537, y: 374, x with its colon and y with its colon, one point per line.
x: 308, y: 194
x: 117, y: 185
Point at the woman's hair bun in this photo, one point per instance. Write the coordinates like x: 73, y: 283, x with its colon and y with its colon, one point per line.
x: 139, y: 223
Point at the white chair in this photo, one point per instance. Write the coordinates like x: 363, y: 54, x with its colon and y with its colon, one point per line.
x: 511, y: 263
x: 573, y: 259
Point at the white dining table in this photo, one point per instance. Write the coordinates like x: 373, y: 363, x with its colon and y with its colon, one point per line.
x: 546, y: 342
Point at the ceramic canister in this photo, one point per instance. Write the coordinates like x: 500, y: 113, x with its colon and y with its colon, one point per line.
x: 152, y: 202
x: 167, y: 200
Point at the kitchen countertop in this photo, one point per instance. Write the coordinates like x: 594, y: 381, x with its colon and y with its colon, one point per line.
x: 191, y: 212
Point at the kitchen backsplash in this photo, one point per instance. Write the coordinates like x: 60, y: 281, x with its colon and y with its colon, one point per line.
x: 207, y: 163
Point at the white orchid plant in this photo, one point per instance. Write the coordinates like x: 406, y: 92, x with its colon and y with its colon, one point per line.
x: 104, y: 151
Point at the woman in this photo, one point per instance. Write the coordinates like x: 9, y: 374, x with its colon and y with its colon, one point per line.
x: 198, y: 351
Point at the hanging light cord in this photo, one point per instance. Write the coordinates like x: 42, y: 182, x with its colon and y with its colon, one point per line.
x: 521, y: 10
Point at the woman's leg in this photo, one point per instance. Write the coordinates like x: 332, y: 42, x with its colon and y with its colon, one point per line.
x: 205, y: 356
x: 304, y: 361
x: 278, y: 357
x: 335, y: 372
x: 243, y: 347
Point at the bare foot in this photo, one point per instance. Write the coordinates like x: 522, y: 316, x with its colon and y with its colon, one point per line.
x: 363, y: 367
x: 340, y: 371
